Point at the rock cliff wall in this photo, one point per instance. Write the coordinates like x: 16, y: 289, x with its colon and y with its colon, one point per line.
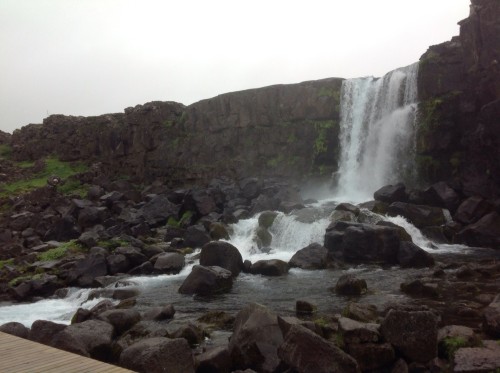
x: 283, y: 130
x: 459, y: 90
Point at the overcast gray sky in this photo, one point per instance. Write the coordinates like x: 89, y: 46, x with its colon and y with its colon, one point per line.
x: 90, y: 57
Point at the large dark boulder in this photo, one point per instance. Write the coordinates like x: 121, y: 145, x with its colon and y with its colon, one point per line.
x: 207, y: 280
x: 391, y: 193
x: 170, y: 263
x: 372, y: 356
x: 412, y: 333
x: 410, y: 255
x: 43, y: 331
x: 86, y: 270
x: 419, y: 215
x: 491, y: 318
x: 472, y: 209
x: 255, y: 340
x: 271, y: 267
x: 485, y: 232
x: 133, y: 255
x: 216, y: 360
x: 158, y: 355
x: 15, y: 328
x: 362, y: 243
x: 305, y: 351
x: 196, y: 236
x: 441, y: 195
x: 349, y: 284
x: 222, y: 254
x: 117, y: 263
x: 314, y: 256
x: 157, y: 211
x: 121, y: 319
x: 94, y: 336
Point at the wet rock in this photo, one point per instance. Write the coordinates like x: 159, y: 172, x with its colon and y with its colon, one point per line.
x: 403, y: 234
x: 266, y: 219
x: 441, y: 195
x: 218, y: 231
x: 485, y: 232
x: 94, y: 336
x: 158, y: 355
x: 400, y: 366
x: 264, y: 238
x: 174, y: 232
x: 340, y: 215
x: 361, y: 312
x: 349, y: 284
x: 420, y: 215
x: 412, y: 256
x: 157, y: 211
x: 391, y: 193
x: 121, y: 319
x: 214, y: 360
x: 191, y: 333
x: 377, y: 207
x: 117, y: 263
x: 81, y: 315
x: 160, y: 313
x: 491, y: 318
x: 196, y: 236
x: 477, y: 359
x: 357, y: 332
x: 372, y: 356
x: 85, y: 270
x: 218, y: 320
x: 43, y: 331
x: 453, y: 337
x: 314, y: 256
x: 250, y: 187
x: 145, y: 268
x: 436, y: 234
x: 413, y: 333
x: 15, y: 328
x: 305, y: 351
x: 420, y: 288
x: 305, y: 307
x: 472, y: 209
x: 207, y: 280
x: 286, y: 322
x: 170, y: 263
x: 255, y: 340
x: 133, y: 255
x: 272, y: 267
x: 221, y: 254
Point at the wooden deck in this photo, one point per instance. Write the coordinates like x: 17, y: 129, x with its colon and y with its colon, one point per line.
x: 23, y: 356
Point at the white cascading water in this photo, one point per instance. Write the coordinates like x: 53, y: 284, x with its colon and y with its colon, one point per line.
x: 376, y: 134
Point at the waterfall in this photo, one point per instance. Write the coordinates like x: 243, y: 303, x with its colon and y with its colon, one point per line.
x: 377, y: 132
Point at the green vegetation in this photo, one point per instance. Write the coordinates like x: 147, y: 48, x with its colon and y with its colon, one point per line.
x: 329, y: 92
x: 3, y: 263
x: 16, y: 281
x: 184, y: 117
x: 168, y: 123
x: 5, y: 151
x: 53, y: 166
x: 183, y: 220
x: 276, y: 161
x: 450, y: 345
x: 323, y: 129
x: 60, y: 251
x: 455, y: 162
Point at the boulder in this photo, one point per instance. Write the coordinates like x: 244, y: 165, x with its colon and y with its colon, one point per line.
x: 160, y: 313
x: 86, y: 270
x: 216, y: 360
x: 158, y: 355
x: 441, y: 195
x: 372, y: 356
x: 145, y: 268
x: 412, y: 256
x: 305, y: 351
x: 218, y: 231
x: 117, y: 263
x: 133, y: 255
x: 264, y: 238
x: 419, y: 215
x: 121, y: 319
x: 305, y: 307
x: 349, y: 284
x: 420, y: 288
x: 157, y: 211
x: 362, y: 243
x: 485, y: 232
x: 271, y: 267
x: 170, y: 263
x: 15, y: 328
x: 196, y: 236
x: 357, y: 332
x: 391, y: 193
x: 94, y: 336
x: 314, y: 256
x: 477, y: 359
x: 491, y: 318
x: 191, y: 333
x: 360, y: 312
x: 222, y: 254
x: 207, y: 280
x: 453, y: 337
x: 472, y: 209
x: 412, y: 333
x: 43, y: 331
x: 255, y: 340
x: 266, y: 219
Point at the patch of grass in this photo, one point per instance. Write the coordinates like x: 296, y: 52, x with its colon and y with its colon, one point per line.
x: 450, y: 345
x: 53, y: 166
x: 182, y: 221
x: 60, y: 251
x: 5, y: 151
x: 167, y: 123
x: 74, y: 187
x: 16, y: 281
x: 3, y: 263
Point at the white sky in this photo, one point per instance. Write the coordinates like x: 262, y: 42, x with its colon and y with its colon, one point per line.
x: 90, y: 57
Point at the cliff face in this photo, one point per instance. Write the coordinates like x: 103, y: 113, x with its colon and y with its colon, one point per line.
x: 284, y: 130
x: 459, y: 90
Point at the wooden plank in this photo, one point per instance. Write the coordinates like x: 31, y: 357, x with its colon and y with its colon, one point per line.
x: 19, y: 355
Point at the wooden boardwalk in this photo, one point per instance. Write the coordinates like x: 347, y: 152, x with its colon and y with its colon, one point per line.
x: 18, y: 355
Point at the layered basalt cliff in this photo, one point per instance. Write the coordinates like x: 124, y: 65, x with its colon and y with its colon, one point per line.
x: 283, y: 130
x: 459, y: 89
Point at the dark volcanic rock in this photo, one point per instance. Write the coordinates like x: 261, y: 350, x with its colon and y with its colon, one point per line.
x: 485, y: 232
x: 122, y: 320
x: 207, y: 280
x: 413, y: 333
x: 410, y: 255
x: 372, y: 356
x: 440, y: 195
x: 222, y: 254
x: 271, y: 267
x: 158, y: 355
x: 472, y: 209
x: 314, y: 256
x: 349, y: 284
x: 170, y: 263
x: 420, y: 215
x: 255, y: 340
x: 491, y: 318
x: 15, y: 328
x: 43, y: 331
x: 196, y: 236
x: 305, y: 351
x: 391, y: 193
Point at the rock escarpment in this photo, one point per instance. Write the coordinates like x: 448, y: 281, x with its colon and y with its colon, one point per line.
x: 459, y: 90
x: 283, y: 130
